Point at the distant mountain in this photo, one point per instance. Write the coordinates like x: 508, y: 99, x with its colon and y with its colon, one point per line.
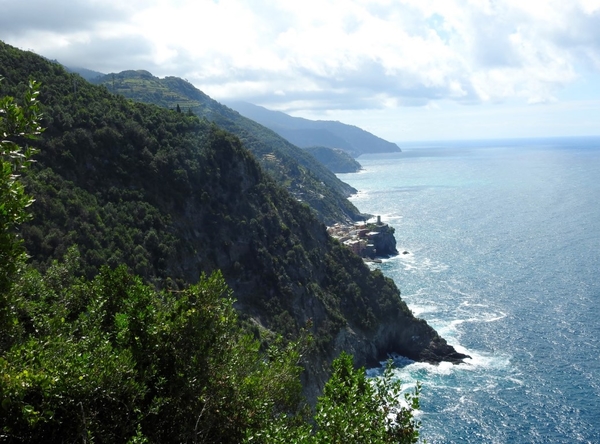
x: 337, y: 160
x: 295, y: 169
x: 305, y: 133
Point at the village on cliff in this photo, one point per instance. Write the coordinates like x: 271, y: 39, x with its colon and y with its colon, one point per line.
x: 369, y: 240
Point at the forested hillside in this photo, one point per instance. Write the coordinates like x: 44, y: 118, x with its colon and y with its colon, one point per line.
x: 293, y: 168
x: 170, y: 196
x: 110, y: 359
x: 335, y: 159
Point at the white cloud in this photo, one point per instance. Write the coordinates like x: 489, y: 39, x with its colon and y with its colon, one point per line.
x: 326, y: 54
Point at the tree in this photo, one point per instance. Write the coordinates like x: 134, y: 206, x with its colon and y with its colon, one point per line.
x: 353, y: 410
x: 18, y: 123
x: 112, y: 359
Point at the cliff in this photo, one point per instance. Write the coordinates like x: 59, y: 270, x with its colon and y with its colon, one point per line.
x: 381, y: 235
x: 172, y: 196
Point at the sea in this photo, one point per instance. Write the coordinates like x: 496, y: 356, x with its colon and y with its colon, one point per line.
x: 499, y: 247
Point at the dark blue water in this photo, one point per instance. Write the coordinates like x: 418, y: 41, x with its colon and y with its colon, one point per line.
x: 504, y: 243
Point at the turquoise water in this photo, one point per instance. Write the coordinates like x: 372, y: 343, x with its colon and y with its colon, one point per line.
x: 504, y: 258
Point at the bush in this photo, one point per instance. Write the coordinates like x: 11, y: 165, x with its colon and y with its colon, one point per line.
x: 353, y: 410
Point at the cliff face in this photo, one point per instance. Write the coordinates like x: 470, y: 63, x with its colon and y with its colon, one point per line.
x: 399, y: 333
x: 172, y: 196
x: 384, y: 241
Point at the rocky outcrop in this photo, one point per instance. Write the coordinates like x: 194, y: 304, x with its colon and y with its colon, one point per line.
x: 403, y: 335
x: 416, y: 340
x: 383, y: 240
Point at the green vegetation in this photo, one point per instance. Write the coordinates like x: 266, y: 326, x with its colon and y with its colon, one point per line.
x: 349, y: 395
x: 172, y: 196
x: 337, y: 160
x: 112, y: 359
x: 353, y: 410
x: 17, y: 124
x: 291, y: 167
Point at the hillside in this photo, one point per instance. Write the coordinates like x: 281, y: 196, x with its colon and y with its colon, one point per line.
x: 335, y: 159
x: 87, y: 74
x: 307, y: 179
x: 305, y: 132
x: 172, y: 196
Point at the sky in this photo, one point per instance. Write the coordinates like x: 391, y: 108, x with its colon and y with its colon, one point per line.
x: 405, y: 70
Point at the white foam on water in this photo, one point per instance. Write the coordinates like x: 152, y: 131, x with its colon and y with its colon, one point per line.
x: 459, y: 405
x: 359, y: 195
x: 510, y: 390
x: 479, y: 360
x: 496, y: 317
x: 433, y: 266
x: 455, y: 287
x: 479, y: 317
x: 516, y: 381
x: 392, y: 259
x: 440, y: 375
x: 469, y: 304
x: 447, y: 330
x: 392, y: 218
x: 418, y: 309
x: 483, y: 360
x: 412, y: 262
x: 412, y: 267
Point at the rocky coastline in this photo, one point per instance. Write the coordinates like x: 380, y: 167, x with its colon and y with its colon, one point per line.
x: 396, y: 331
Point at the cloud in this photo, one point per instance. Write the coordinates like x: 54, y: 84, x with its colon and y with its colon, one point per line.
x: 325, y: 54
x: 63, y: 16
x: 92, y: 34
x: 100, y: 54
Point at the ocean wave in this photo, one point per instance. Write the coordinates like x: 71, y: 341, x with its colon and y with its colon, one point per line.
x: 418, y: 310
x: 469, y: 304
x: 412, y: 262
